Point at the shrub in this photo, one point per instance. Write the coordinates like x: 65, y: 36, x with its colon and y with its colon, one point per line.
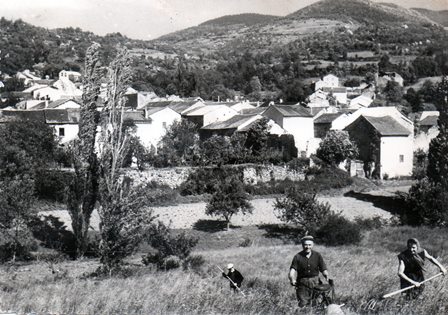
x: 52, y: 233
x: 205, y: 180
x: 336, y: 147
x: 302, y: 209
x: 167, y: 245
x: 371, y: 223
x: 51, y: 184
x: 299, y: 164
x: 337, y: 230
x: 193, y: 262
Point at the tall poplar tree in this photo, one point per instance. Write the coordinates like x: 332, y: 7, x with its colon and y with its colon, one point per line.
x: 82, y: 192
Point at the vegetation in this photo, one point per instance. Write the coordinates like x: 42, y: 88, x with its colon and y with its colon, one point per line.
x: 427, y: 199
x: 228, y: 199
x: 143, y: 290
x: 336, y: 147
x: 82, y: 192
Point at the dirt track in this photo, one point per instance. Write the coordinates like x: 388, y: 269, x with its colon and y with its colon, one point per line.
x: 186, y: 215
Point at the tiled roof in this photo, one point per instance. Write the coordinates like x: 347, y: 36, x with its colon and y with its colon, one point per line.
x: 326, y: 118
x: 335, y: 89
x: 57, y: 103
x: 253, y: 111
x: 137, y: 116
x: 152, y: 110
x: 292, y: 111
x: 429, y: 121
x: 35, y: 115
x: 387, y: 126
x: 158, y: 104
x: 231, y: 123
x: 61, y: 116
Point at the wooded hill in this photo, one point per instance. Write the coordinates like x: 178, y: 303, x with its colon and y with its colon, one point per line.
x: 263, y: 56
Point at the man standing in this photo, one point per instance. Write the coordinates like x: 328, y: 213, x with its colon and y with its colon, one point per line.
x: 235, y: 276
x: 304, y: 271
x: 411, y: 266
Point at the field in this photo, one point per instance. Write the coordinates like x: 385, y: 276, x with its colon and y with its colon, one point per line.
x: 362, y: 274
x: 261, y: 250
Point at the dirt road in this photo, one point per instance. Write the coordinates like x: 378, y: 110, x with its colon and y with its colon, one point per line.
x: 186, y: 215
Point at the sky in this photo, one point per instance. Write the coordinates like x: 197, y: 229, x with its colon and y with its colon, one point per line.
x: 149, y: 19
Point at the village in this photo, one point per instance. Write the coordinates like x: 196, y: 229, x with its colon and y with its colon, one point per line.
x: 330, y: 107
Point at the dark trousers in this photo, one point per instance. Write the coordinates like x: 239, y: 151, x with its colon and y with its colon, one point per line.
x: 304, y: 290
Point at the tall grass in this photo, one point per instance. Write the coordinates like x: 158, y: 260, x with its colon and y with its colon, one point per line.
x: 362, y: 274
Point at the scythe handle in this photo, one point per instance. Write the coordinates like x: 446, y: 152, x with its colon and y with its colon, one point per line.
x: 410, y: 287
x: 231, y: 281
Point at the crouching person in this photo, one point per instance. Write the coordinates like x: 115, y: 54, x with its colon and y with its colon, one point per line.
x: 304, y: 271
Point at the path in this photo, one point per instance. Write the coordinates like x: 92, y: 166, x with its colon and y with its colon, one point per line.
x: 186, y: 215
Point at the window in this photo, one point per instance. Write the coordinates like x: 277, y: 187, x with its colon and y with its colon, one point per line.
x: 164, y: 124
x: 401, y: 158
x: 61, y: 132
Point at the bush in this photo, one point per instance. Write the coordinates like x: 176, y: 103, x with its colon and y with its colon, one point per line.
x: 51, y: 184
x: 204, y: 180
x: 302, y: 209
x: 371, y: 223
x: 299, y: 164
x: 193, y: 262
x: 337, y: 230
x: 52, y: 233
x: 167, y: 245
x: 15, y: 246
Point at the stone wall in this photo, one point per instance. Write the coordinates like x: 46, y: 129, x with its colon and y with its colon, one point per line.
x: 253, y: 174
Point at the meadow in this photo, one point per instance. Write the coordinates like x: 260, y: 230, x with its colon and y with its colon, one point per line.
x: 362, y: 273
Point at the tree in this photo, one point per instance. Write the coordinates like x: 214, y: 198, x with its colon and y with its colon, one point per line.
x: 82, y: 192
x: 393, y: 91
x: 177, y: 146
x: 123, y: 219
x: 27, y: 147
x: 228, y: 199
x: 427, y: 199
x: 257, y: 138
x: 336, y: 147
x: 302, y: 209
x: 415, y: 100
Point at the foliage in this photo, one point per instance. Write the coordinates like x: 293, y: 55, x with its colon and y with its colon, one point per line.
x: 52, y: 233
x: 167, y: 245
x: 123, y: 219
x: 204, y: 180
x: 420, y: 164
x: 336, y: 147
x: 336, y: 230
x: 228, y: 199
x: 27, y: 147
x: 51, y: 184
x: 393, y: 91
x: 427, y: 199
x: 302, y: 209
x: 177, y: 146
x: 82, y: 191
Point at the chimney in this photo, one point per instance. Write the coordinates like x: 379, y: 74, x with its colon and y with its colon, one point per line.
x: 46, y: 104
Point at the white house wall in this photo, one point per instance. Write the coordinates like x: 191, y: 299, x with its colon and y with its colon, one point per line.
x: 70, y: 132
x: 302, y: 128
x: 151, y: 133
x: 391, y: 149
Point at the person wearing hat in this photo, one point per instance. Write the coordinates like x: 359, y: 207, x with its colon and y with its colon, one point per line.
x: 235, y: 276
x: 304, y: 271
x: 411, y: 264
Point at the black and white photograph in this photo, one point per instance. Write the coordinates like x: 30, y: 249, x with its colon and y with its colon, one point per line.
x: 212, y: 157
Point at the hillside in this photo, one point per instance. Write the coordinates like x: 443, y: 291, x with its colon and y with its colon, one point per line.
x: 362, y: 11
x: 247, y: 19
x: 440, y: 17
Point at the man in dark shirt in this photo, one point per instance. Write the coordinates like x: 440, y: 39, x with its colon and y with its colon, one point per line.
x: 304, y: 271
x: 234, y: 275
